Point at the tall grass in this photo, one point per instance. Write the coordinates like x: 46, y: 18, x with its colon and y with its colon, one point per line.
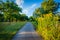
x: 49, y: 27
x: 9, y: 29
x: 35, y: 24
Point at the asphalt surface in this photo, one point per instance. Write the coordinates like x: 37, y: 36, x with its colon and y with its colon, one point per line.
x: 27, y: 33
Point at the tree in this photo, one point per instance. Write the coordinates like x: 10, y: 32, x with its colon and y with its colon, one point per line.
x: 38, y: 12
x: 24, y: 17
x: 1, y: 17
x: 49, y: 6
x: 9, y: 8
x: 46, y: 7
x: 31, y: 18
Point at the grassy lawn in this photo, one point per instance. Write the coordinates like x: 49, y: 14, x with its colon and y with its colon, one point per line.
x: 9, y: 29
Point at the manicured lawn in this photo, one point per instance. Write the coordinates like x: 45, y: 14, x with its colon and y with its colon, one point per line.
x: 9, y: 29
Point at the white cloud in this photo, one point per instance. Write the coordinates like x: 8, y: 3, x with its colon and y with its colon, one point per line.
x: 26, y: 11
x: 33, y: 6
x: 20, y: 3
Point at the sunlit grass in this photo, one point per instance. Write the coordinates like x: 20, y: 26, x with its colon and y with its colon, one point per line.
x: 9, y: 29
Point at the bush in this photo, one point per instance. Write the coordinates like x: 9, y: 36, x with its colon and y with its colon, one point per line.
x: 48, y: 27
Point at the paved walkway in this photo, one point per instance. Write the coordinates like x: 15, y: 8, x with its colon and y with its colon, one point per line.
x: 27, y: 33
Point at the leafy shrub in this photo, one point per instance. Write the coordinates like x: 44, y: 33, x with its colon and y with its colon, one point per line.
x: 48, y: 27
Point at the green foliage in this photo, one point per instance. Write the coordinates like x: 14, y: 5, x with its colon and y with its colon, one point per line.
x: 46, y: 7
x: 11, y: 12
x: 9, y: 29
x: 31, y: 18
x: 37, y: 12
x: 49, y: 6
x: 1, y: 17
x: 35, y: 24
x: 24, y: 17
x: 11, y: 8
x: 48, y: 24
x: 48, y: 27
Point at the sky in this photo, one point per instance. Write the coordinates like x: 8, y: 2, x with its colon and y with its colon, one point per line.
x: 28, y: 6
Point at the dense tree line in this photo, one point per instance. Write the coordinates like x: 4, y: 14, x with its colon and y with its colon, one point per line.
x: 9, y: 11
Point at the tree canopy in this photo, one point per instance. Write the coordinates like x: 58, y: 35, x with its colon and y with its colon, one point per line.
x: 46, y: 7
x: 10, y: 11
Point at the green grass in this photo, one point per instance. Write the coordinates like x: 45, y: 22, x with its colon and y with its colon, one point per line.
x: 9, y: 29
x: 35, y: 25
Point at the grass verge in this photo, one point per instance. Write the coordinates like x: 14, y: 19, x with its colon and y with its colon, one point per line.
x: 9, y: 29
x: 35, y: 25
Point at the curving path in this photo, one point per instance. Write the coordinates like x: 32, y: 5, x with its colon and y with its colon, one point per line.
x: 27, y: 33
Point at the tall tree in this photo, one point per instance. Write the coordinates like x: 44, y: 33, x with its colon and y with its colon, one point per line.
x: 49, y: 6
x: 46, y: 7
x: 9, y: 8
